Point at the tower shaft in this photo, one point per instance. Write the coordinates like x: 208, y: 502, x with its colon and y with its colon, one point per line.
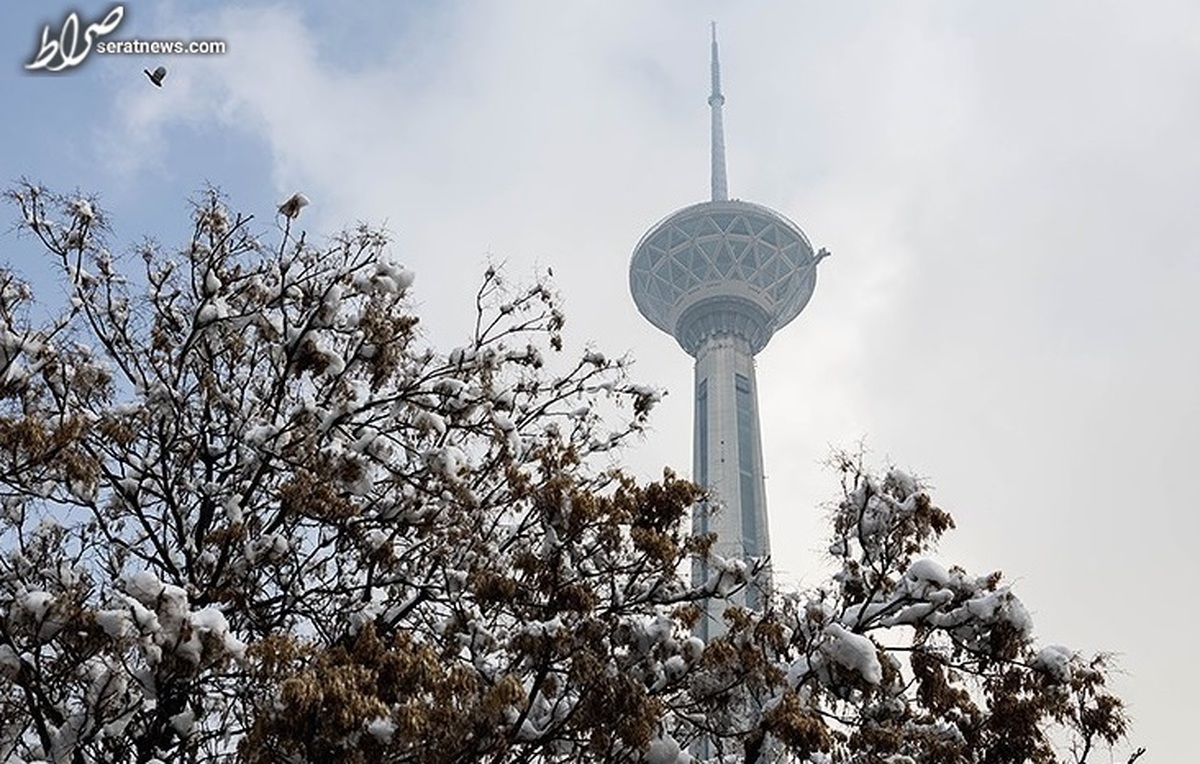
x: 727, y: 460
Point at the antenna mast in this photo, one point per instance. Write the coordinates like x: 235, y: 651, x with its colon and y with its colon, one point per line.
x: 720, y: 191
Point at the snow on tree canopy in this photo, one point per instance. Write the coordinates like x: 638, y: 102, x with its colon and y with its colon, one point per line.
x: 246, y: 506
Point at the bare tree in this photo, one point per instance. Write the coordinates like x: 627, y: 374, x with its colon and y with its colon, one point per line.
x: 247, y: 514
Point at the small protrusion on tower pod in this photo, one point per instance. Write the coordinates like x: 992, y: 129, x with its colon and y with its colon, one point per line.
x: 716, y: 100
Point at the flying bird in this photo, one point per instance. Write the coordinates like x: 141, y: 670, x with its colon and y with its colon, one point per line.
x: 157, y: 76
x: 291, y: 208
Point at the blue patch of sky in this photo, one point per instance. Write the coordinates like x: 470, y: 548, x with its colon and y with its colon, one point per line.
x: 51, y: 135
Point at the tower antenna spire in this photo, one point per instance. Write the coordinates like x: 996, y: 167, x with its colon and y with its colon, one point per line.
x: 716, y: 101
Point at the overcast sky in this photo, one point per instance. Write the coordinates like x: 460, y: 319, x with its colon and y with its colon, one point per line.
x: 1010, y: 191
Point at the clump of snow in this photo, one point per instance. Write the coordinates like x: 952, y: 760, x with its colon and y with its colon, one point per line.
x: 727, y: 575
x: 272, y: 546
x: 854, y: 651
x: 161, y: 613
x: 666, y: 750
x: 376, y: 539
x: 798, y: 672
x: 182, y: 722
x: 212, y: 283
x: 389, y: 278
x: 10, y: 662
x: 381, y: 728
x: 504, y: 399
x: 928, y: 570
x: 1055, y: 660
x: 651, y: 631
x: 108, y: 682
x: 449, y: 386
x: 260, y: 434
x: 212, y: 622
x: 857, y: 615
x: 233, y: 510
x: 1002, y: 606
x: 144, y: 618
x: 902, y: 482
x: 911, y: 615
x: 529, y: 356
x: 82, y: 209
x: 646, y: 396
x: 335, y: 364
x: 449, y: 462
x: 114, y: 622
x: 926, y: 580
x: 144, y: 587
x: 213, y: 310
x: 37, y: 604
x: 675, y: 666
x: 430, y: 421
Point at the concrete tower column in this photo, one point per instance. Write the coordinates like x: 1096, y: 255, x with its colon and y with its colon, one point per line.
x: 727, y: 460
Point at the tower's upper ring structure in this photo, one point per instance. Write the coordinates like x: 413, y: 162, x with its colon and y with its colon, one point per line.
x: 723, y: 266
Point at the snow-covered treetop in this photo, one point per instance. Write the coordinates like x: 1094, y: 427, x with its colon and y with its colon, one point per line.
x: 246, y: 513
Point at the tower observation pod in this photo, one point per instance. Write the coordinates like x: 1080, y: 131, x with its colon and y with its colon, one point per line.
x: 722, y: 277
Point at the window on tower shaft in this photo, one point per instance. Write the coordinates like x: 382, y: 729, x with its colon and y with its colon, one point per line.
x: 747, y: 440
x: 702, y: 433
x: 700, y: 475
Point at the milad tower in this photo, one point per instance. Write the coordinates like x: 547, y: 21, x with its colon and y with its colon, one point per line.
x: 721, y: 277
